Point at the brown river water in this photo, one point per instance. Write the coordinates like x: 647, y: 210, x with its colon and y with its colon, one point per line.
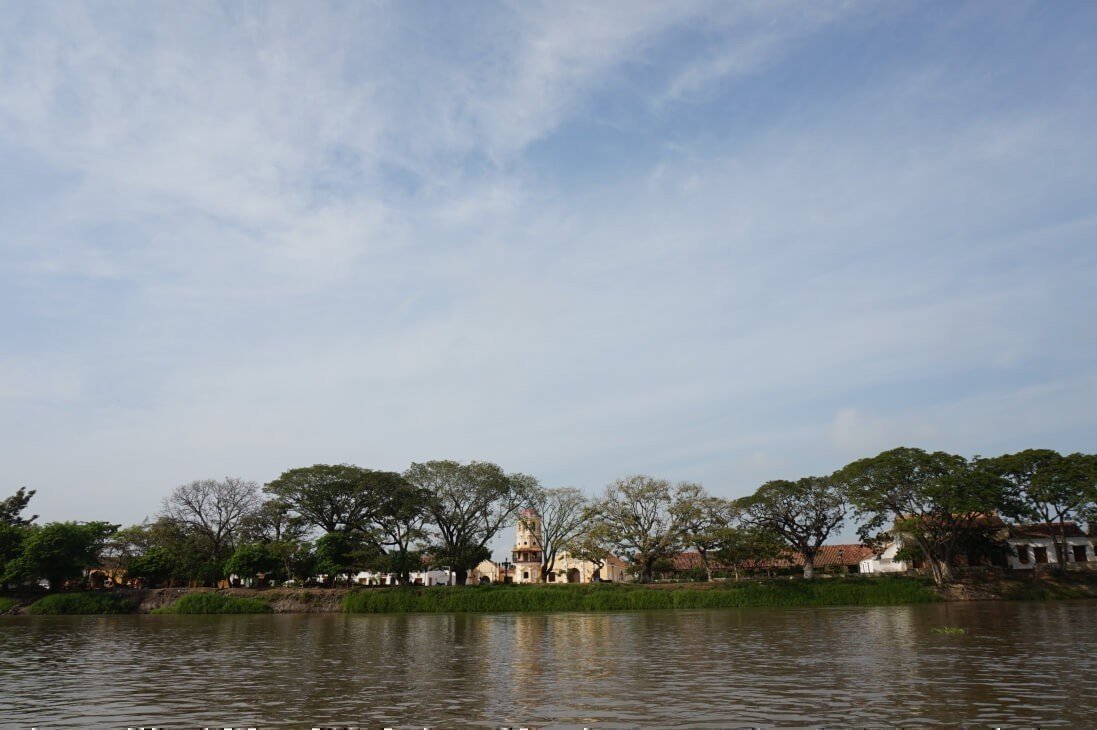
x: 1017, y: 665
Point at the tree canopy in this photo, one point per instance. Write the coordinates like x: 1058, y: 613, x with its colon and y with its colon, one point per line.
x: 640, y: 521
x: 937, y: 501
x: 467, y: 505
x: 59, y: 551
x: 804, y: 513
x: 333, y: 497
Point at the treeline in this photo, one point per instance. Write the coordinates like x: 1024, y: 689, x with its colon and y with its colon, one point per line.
x: 336, y: 520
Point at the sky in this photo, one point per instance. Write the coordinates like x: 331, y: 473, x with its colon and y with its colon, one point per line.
x: 707, y: 241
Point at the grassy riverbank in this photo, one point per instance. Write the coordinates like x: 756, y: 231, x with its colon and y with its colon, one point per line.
x: 777, y: 592
x: 87, y: 603
x: 631, y: 597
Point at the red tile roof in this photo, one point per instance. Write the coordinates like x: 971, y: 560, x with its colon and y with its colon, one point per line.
x: 848, y: 555
x: 1045, y: 530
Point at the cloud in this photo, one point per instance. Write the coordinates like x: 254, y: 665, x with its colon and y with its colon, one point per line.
x: 239, y: 239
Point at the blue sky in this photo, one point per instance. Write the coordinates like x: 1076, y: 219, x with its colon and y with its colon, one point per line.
x: 722, y: 242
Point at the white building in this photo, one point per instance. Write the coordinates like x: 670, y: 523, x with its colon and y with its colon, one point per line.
x: 1034, y: 545
x: 1030, y: 546
x: 418, y: 578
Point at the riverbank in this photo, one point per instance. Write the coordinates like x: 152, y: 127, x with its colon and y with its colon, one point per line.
x: 846, y: 591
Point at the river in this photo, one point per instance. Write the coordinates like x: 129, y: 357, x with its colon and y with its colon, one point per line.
x: 1018, y: 664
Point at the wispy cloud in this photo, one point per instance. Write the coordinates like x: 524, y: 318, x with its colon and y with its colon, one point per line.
x: 719, y: 242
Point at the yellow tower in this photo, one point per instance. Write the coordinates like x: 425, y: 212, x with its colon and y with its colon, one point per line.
x: 527, y: 548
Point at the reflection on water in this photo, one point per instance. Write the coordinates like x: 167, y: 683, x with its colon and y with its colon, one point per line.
x: 1018, y: 664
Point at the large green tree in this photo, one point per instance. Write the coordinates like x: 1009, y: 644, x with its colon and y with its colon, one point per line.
x: 1050, y: 488
x: 936, y: 501
x: 333, y: 497
x: 743, y: 547
x: 251, y: 559
x: 704, y: 519
x: 59, y: 551
x: 804, y: 513
x: 467, y: 505
x: 398, y: 527
x: 640, y: 521
x: 13, y: 527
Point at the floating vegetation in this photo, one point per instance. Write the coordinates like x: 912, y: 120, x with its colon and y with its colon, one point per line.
x: 950, y: 631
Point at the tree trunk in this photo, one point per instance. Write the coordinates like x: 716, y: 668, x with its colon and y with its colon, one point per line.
x: 646, y: 572
x: 943, y: 573
x: 704, y: 562
x: 809, y: 567
x: 1061, y: 548
x: 460, y: 576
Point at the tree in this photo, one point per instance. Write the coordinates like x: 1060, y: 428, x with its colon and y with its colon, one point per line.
x: 467, y: 505
x: 273, y: 522
x: 335, y: 498
x: 215, y: 510
x: 562, y: 513
x: 398, y: 526
x: 1048, y: 487
x: 13, y: 527
x: 803, y: 513
x: 704, y: 520
x: 153, y: 567
x: 343, y: 553
x: 251, y: 559
x: 640, y: 522
x: 745, y: 547
x: 593, y: 542
x: 58, y: 552
x: 938, y: 501
x: 12, y: 507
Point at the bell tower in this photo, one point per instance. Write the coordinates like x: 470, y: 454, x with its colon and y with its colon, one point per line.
x: 527, y: 548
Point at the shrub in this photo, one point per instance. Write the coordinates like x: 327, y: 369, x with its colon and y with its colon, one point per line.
x: 69, y: 604
x: 194, y: 603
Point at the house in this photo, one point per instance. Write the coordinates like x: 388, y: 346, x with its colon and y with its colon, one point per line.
x: 1033, y: 545
x: 418, y: 578
x: 1029, y: 546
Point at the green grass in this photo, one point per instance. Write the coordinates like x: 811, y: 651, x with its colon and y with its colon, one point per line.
x: 69, y: 604
x: 7, y: 604
x: 626, y: 597
x: 215, y: 603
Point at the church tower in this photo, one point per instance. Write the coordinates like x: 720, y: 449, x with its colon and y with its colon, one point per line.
x: 527, y: 548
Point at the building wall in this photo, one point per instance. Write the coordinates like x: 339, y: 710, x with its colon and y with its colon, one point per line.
x: 886, y: 562
x: 425, y: 578
x: 1019, y: 546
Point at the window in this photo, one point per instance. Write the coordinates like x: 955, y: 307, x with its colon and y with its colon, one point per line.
x: 1041, y: 554
x: 525, y: 575
x: 1079, y: 553
x: 1022, y: 554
